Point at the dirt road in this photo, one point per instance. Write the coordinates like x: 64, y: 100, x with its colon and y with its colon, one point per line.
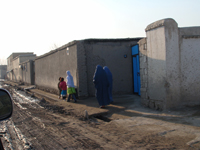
x: 37, y: 124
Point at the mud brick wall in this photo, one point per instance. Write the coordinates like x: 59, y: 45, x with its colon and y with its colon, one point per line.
x: 82, y: 83
x: 172, y: 58
x: 50, y: 66
x: 27, y: 72
x: 81, y: 58
x: 143, y: 71
x: 154, y: 104
x: 111, y: 53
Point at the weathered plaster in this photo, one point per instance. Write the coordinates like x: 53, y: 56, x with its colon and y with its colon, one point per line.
x: 190, y: 72
x: 27, y: 72
x: 172, y: 60
x: 51, y: 66
x: 172, y: 84
x: 14, y: 72
x: 111, y: 53
x: 156, y: 64
x: 159, y: 23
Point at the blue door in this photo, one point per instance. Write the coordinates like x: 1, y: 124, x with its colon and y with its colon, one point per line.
x: 136, y: 69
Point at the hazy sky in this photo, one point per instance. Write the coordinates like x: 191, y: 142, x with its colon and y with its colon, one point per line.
x: 38, y: 25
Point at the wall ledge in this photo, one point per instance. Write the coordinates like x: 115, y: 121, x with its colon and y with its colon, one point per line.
x: 159, y: 23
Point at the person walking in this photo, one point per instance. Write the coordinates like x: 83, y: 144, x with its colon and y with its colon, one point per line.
x: 59, y: 89
x: 63, y: 86
x: 70, y: 87
x: 101, y: 85
x: 110, y: 81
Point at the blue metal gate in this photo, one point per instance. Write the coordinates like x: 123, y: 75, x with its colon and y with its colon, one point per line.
x: 136, y: 69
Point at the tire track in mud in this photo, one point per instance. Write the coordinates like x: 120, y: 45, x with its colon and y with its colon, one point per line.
x: 24, y: 119
x: 46, y: 131
x: 33, y: 127
x: 53, y: 136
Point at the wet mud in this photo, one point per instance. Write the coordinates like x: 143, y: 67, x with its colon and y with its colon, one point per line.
x: 37, y: 123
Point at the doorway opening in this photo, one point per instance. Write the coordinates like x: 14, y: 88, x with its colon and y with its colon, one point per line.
x: 136, y: 69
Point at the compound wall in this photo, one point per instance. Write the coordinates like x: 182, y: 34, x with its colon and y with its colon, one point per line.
x: 116, y: 55
x: 172, y: 62
x: 49, y: 67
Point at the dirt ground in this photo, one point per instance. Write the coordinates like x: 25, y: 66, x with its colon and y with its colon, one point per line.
x: 39, y: 124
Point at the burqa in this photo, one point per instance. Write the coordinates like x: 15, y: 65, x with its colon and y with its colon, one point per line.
x: 110, y: 81
x: 101, y: 85
x: 70, y: 81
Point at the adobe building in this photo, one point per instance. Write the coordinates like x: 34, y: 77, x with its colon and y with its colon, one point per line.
x: 169, y: 65
x: 81, y: 58
x: 3, y: 69
x: 14, y: 67
x: 27, y: 70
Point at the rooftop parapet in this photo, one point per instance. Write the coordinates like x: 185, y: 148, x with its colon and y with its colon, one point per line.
x: 160, y: 23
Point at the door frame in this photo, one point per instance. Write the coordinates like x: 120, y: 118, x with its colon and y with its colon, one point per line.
x: 135, y: 55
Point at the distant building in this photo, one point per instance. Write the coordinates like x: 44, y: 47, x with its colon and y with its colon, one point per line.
x: 28, y: 72
x: 169, y: 65
x: 81, y: 58
x: 15, y: 67
x: 3, y: 69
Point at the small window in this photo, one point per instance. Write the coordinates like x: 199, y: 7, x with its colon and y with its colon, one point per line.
x: 67, y: 50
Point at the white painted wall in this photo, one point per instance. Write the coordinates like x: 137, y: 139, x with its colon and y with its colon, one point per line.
x: 190, y: 70
x: 172, y: 83
x: 156, y: 64
x: 173, y: 64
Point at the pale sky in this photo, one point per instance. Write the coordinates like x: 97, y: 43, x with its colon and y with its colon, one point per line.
x: 38, y: 25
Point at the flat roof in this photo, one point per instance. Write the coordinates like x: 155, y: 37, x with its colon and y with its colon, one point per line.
x: 88, y: 41
x: 21, y: 53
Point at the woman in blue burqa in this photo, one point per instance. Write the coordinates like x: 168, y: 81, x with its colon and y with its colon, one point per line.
x: 101, y: 85
x: 110, y: 81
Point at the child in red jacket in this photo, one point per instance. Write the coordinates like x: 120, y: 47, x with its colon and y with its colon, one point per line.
x: 63, y: 86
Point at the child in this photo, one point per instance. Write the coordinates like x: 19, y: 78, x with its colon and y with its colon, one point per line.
x: 63, y: 86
